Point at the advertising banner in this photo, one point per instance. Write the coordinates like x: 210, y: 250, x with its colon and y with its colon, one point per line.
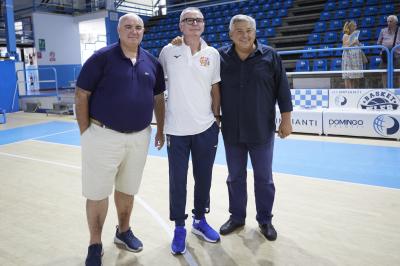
x: 365, y: 99
x: 304, y: 120
x: 363, y: 123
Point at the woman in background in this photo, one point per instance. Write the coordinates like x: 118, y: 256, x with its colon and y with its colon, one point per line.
x: 351, y: 59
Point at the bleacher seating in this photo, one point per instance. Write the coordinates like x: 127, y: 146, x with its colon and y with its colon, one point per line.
x: 302, y: 65
x: 320, y: 65
x: 271, y: 17
x: 336, y: 64
x: 374, y: 62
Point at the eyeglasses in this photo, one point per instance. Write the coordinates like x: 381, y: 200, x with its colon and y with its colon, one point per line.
x: 191, y: 21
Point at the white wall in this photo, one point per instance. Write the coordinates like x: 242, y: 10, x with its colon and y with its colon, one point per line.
x: 61, y: 35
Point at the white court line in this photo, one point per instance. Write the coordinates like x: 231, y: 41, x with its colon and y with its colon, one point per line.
x: 188, y: 257
x: 39, y: 160
x: 36, y: 138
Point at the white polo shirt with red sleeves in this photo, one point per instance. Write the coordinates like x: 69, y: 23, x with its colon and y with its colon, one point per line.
x: 189, y: 79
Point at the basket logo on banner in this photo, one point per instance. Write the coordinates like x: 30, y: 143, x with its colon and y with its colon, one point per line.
x: 386, y: 125
x: 379, y: 100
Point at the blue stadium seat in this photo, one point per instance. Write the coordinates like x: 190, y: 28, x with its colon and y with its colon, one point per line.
x: 371, y: 2
x: 224, y: 36
x: 330, y: 37
x: 340, y: 14
x: 383, y: 20
x: 245, y: 10
x: 269, y: 32
x: 210, y: 29
x: 330, y: 6
x: 377, y: 32
x: 302, y: 65
x: 368, y: 22
x: 288, y: 3
x: 343, y: 4
x: 266, y: 6
x: 387, y: 9
x: 219, y: 21
x: 320, y: 26
x: 220, y: 28
x: 354, y: 13
x: 370, y: 11
x: 255, y: 8
x: 365, y: 34
x: 357, y: 3
x: 336, y: 64
x: 320, y: 65
x: 374, y: 62
x: 335, y: 25
x: 211, y: 37
x: 260, y: 15
x: 309, y: 54
x: 276, y: 22
x: 155, y: 52
x: 338, y: 52
x: 271, y: 13
x: 260, y: 32
x: 326, y: 53
x: 282, y: 12
x: 264, y: 23
x: 314, y: 38
x: 263, y: 40
x: 211, y: 21
x: 276, y: 5
x: 325, y: 16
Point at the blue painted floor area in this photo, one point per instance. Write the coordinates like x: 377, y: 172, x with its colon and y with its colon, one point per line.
x: 364, y: 164
x: 35, y: 131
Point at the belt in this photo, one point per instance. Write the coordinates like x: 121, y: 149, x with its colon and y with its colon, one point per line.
x: 98, y: 123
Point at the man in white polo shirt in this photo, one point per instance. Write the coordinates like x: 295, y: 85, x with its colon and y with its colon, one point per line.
x: 191, y: 123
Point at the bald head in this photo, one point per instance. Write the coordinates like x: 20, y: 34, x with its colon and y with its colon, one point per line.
x: 129, y: 16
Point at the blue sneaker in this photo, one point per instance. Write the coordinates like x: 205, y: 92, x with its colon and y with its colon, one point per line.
x: 178, y: 245
x: 95, y: 252
x: 201, y: 228
x: 128, y: 241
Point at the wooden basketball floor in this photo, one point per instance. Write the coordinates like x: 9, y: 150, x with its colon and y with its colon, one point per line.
x: 319, y: 221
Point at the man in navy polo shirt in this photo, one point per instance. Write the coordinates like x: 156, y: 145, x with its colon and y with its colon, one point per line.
x: 253, y: 79
x: 117, y: 89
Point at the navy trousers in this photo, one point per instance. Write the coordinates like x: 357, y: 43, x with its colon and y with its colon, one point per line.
x: 264, y: 188
x: 202, y: 147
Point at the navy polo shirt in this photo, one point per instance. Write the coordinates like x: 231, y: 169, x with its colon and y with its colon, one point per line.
x: 249, y: 91
x: 122, y: 93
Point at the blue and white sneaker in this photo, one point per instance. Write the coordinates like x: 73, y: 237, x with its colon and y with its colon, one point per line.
x: 201, y: 228
x: 128, y: 241
x: 178, y: 245
x: 95, y: 252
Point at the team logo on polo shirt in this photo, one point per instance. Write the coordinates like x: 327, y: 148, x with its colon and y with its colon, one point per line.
x: 379, y: 100
x: 204, y: 61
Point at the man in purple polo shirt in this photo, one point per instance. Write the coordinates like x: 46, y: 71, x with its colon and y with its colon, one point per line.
x: 116, y: 92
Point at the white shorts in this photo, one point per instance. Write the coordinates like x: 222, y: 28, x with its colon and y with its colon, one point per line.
x: 110, y: 157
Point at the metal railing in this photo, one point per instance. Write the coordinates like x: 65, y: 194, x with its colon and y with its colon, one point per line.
x: 389, y: 68
x: 25, y: 81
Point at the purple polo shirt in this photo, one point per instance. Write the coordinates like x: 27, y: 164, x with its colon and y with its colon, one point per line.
x: 122, y: 93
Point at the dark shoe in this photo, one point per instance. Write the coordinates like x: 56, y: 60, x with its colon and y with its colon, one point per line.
x: 268, y: 231
x: 95, y: 252
x: 128, y: 241
x: 229, y: 227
